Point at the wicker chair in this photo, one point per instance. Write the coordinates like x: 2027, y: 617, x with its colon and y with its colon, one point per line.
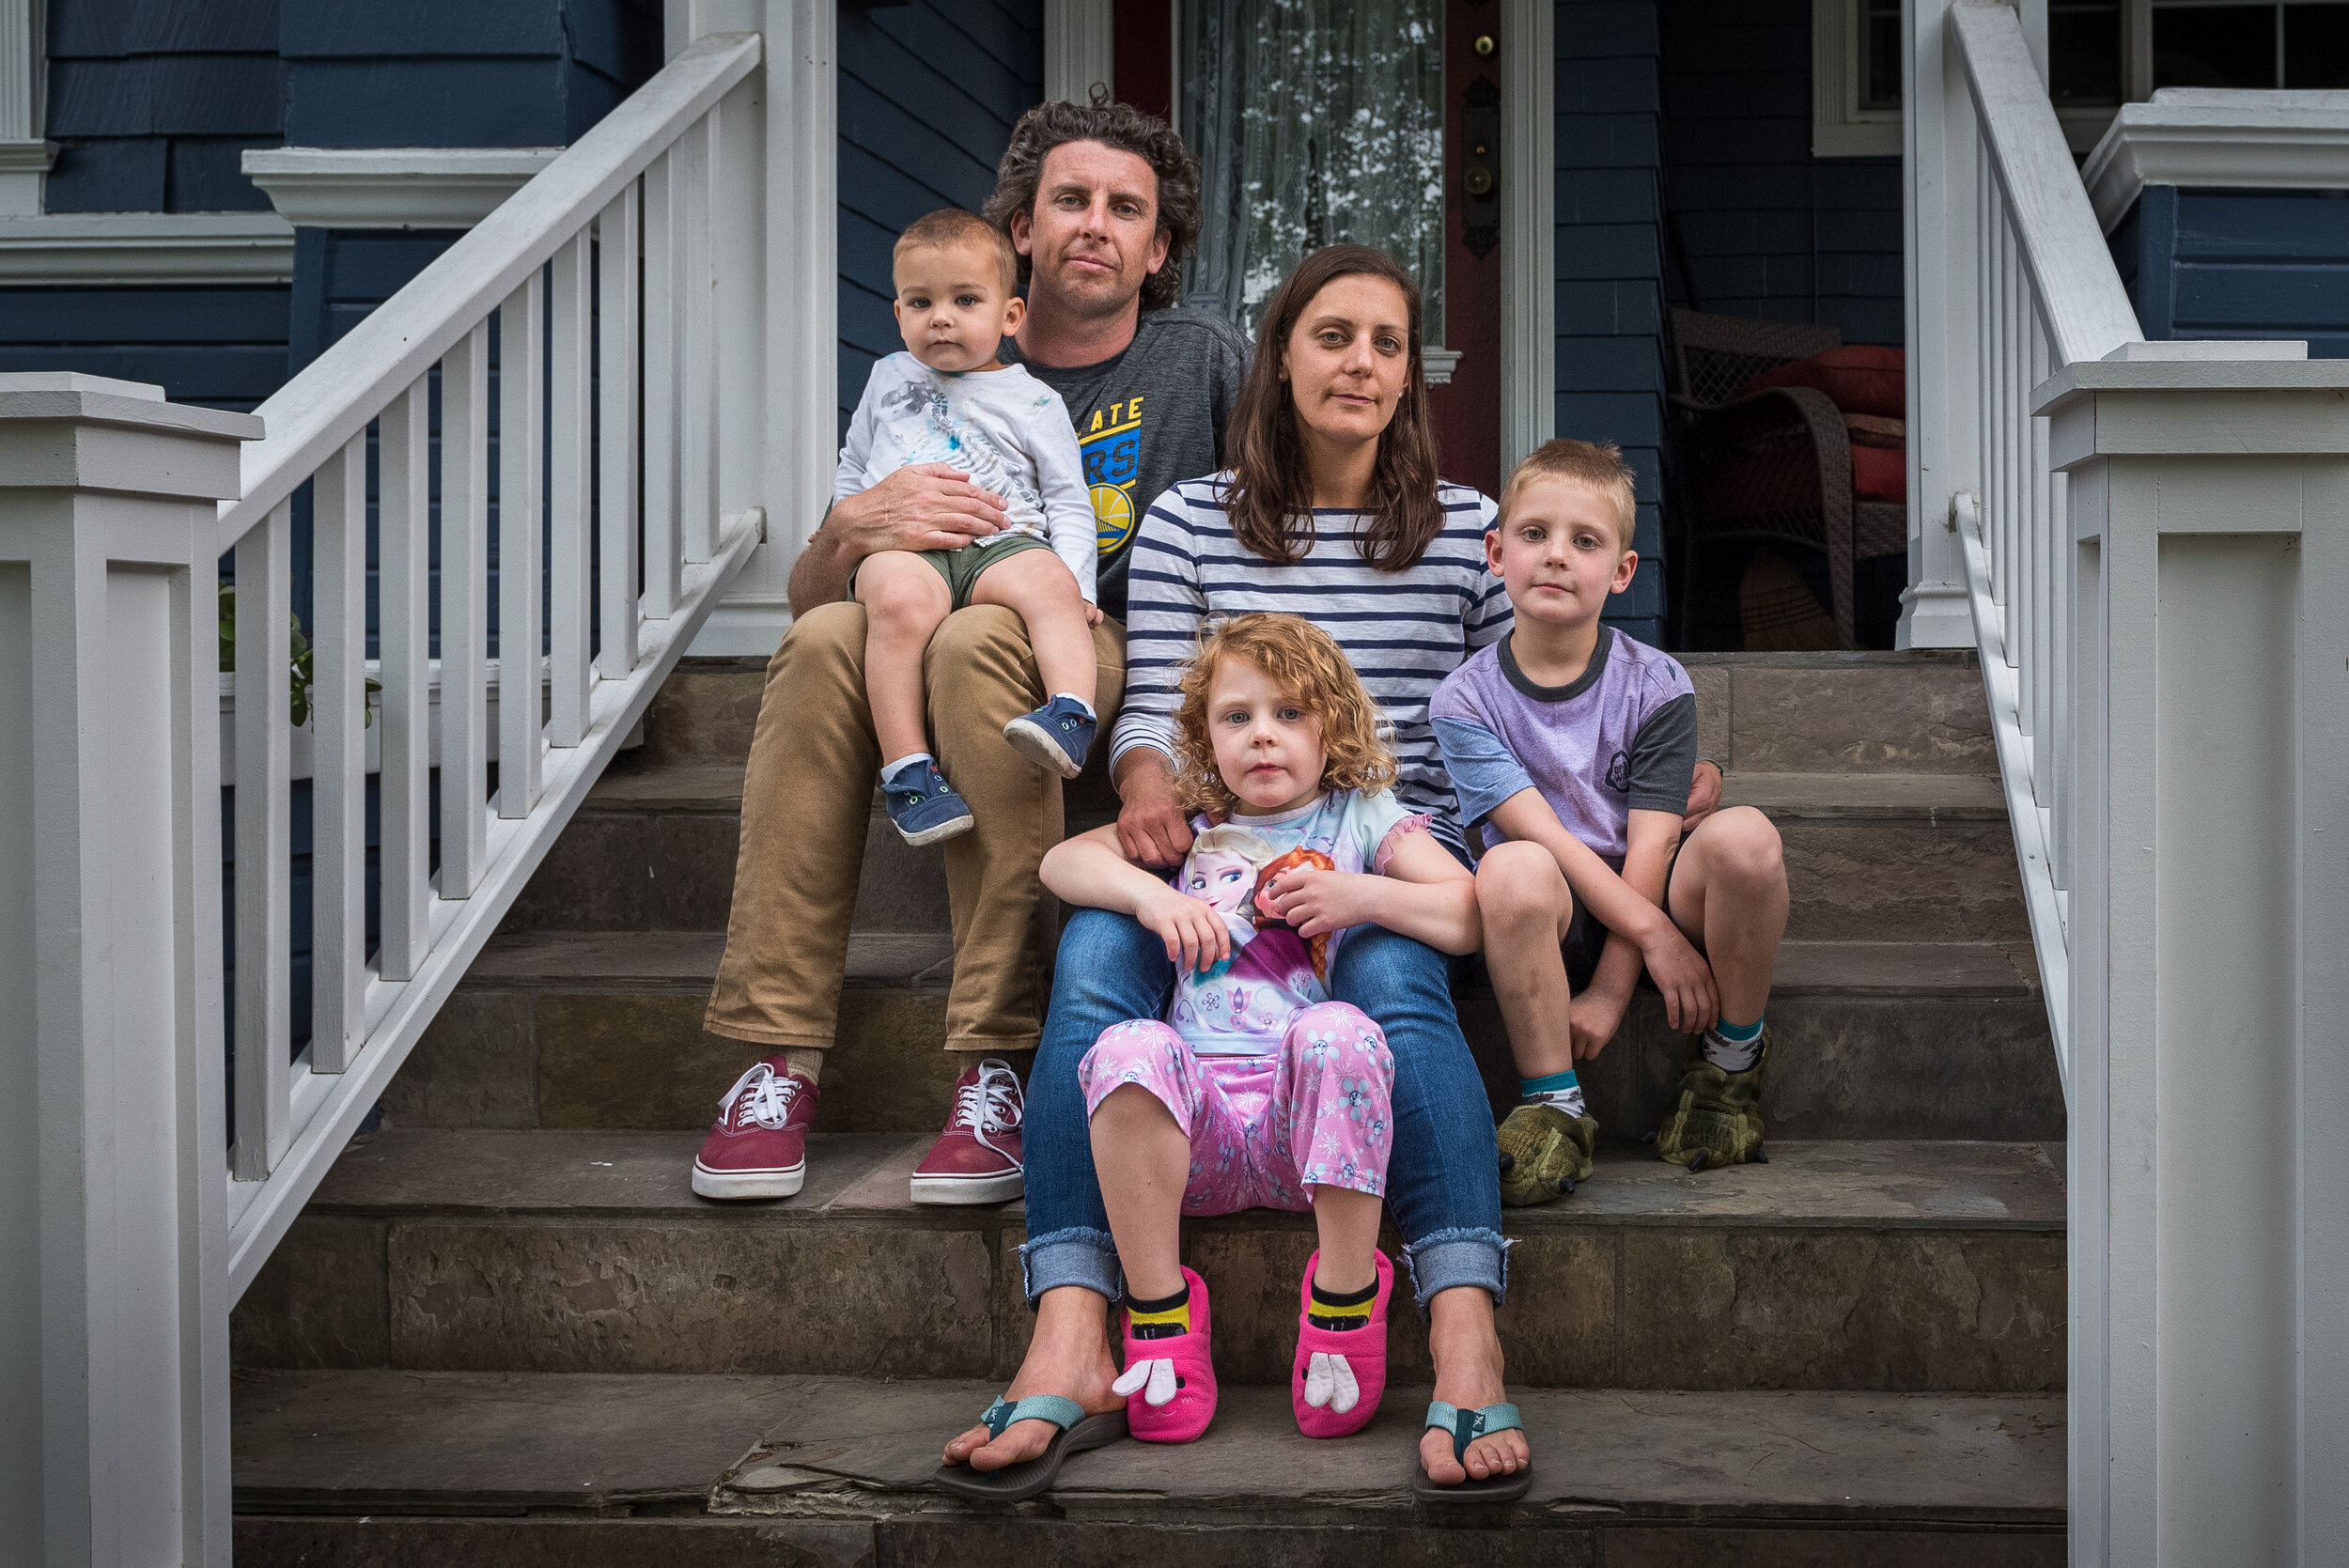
x: 1774, y: 465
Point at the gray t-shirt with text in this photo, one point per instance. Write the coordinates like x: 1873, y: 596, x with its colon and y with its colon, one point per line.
x: 1146, y: 418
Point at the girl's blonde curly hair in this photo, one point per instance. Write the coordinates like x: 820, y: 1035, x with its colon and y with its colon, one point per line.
x: 1305, y: 661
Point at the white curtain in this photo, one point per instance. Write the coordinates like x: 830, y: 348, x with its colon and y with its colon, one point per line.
x: 1315, y: 122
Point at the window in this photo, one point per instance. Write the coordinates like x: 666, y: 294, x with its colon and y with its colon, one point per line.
x: 2251, y: 43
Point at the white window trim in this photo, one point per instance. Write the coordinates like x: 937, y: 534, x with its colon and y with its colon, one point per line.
x: 25, y: 157
x: 1080, y: 49
x: 1840, y: 129
x: 398, y: 187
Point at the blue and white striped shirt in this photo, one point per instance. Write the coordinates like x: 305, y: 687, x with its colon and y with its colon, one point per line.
x: 1403, y: 631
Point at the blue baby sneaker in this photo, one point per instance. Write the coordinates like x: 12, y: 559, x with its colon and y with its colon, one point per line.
x: 925, y: 806
x: 1055, y: 736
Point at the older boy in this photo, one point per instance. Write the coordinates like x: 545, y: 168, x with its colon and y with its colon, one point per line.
x: 1574, y: 746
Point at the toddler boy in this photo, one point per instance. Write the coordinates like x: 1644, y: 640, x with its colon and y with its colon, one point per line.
x: 1573, y: 746
x: 948, y: 399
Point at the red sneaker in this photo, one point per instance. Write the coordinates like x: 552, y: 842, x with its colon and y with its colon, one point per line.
x: 758, y: 1146
x: 976, y: 1159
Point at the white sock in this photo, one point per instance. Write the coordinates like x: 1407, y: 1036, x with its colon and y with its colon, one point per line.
x: 891, y: 770
x: 1079, y: 701
x: 1562, y: 1090
x: 1567, y: 1100
x: 1734, y: 1055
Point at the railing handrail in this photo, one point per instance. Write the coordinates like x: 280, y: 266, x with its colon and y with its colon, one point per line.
x: 2082, y: 304
x: 317, y: 412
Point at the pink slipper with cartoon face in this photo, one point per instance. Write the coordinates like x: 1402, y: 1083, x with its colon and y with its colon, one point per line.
x: 1339, y: 1375
x: 1168, y: 1384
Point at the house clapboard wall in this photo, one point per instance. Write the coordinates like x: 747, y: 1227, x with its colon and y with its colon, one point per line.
x: 2239, y: 264
x: 929, y: 94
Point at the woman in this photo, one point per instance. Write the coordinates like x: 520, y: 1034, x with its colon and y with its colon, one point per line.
x: 1331, y: 510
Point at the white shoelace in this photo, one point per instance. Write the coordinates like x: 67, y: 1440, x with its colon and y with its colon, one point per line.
x: 990, y: 1103
x: 762, y: 1096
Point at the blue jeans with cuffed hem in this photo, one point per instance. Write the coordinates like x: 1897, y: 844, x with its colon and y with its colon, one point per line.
x: 1443, y: 1179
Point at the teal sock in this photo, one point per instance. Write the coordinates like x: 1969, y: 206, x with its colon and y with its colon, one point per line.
x: 1562, y: 1090
x: 1732, y: 1047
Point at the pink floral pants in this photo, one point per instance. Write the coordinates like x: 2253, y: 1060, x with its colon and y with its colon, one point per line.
x: 1264, y: 1128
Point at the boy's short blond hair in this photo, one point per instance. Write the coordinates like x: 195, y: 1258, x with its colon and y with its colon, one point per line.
x: 952, y: 226
x: 1596, y: 465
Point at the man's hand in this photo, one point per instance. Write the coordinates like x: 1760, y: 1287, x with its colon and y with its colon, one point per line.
x: 927, y: 506
x: 1681, y: 973
x: 1317, y: 902
x: 1195, y: 936
x: 1151, y: 828
x: 1705, y: 796
x: 1594, y: 1017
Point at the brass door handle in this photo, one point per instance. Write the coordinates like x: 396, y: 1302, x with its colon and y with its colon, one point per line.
x: 1479, y: 181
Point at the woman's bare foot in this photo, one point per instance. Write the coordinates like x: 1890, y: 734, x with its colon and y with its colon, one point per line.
x: 1466, y: 1353
x: 1069, y: 1356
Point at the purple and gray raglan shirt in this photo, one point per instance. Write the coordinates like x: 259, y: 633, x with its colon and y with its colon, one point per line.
x: 1620, y: 738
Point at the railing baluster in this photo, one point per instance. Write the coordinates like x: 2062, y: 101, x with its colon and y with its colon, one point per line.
x: 264, y: 840
x: 464, y: 612
x: 338, y: 800
x: 698, y: 400
x: 570, y: 405
x: 521, y: 416
x: 662, y: 541
x: 615, y: 236
x: 403, y: 582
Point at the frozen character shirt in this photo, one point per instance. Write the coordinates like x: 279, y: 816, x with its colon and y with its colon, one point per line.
x: 1004, y: 428
x: 1244, y: 1005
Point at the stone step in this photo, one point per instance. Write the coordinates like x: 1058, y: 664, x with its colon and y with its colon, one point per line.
x: 1869, y: 856
x: 1920, y: 711
x: 604, y: 1030
x: 409, y: 1471
x: 1906, y: 1266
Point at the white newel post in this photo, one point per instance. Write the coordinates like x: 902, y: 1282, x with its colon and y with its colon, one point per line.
x: 2209, y: 1259
x: 114, y: 1301
x: 1941, y: 173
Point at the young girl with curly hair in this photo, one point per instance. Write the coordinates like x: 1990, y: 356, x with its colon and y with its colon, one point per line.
x: 1256, y: 1089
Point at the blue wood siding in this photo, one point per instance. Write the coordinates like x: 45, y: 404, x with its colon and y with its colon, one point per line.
x: 151, y: 103
x: 1610, y: 263
x: 458, y: 72
x: 1766, y: 229
x: 2239, y: 264
x: 224, y: 348
x: 929, y: 94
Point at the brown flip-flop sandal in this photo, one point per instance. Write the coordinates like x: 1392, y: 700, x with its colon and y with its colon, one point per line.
x: 1018, y: 1483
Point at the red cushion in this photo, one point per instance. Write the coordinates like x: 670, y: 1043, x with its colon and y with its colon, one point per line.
x: 1862, y: 379
x: 1879, y: 474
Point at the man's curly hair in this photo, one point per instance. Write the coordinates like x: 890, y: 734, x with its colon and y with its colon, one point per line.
x: 1305, y: 661
x: 1129, y: 129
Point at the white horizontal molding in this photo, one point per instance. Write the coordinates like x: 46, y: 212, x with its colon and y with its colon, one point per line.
x: 82, y: 248
x: 392, y: 187
x: 2220, y: 138
x: 1437, y: 364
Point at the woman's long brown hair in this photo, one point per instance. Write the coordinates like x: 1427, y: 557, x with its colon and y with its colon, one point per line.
x: 1270, y: 498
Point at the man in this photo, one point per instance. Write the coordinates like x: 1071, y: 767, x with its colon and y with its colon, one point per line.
x: 1101, y: 204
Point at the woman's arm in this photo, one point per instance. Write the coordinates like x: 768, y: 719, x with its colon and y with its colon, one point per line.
x: 1164, y: 605
x: 1091, y: 871
x: 1425, y: 895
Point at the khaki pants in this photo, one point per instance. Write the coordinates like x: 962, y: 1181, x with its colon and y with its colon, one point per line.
x: 807, y: 798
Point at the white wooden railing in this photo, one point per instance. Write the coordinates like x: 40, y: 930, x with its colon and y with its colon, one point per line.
x: 2152, y: 539
x: 613, y: 236
x: 2047, y: 294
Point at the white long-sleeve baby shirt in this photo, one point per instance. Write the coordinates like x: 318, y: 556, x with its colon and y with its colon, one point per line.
x: 1004, y: 428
